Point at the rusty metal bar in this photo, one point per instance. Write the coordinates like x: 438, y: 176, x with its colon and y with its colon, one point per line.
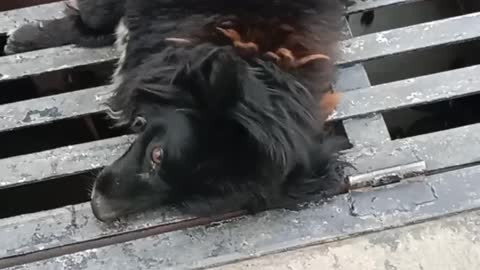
x: 387, y: 176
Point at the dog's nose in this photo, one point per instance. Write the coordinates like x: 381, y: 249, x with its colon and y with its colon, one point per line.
x: 94, y: 204
x: 101, y: 209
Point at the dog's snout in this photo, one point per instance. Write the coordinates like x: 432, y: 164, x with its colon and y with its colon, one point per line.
x: 102, y: 209
x: 105, y: 182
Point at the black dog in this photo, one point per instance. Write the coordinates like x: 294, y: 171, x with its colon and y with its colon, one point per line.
x: 228, y: 98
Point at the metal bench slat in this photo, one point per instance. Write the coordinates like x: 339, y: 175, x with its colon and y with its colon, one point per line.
x: 358, y: 49
x: 75, y: 104
x: 53, y: 59
x: 410, y: 92
x: 351, y: 78
x: 275, y: 231
x: 374, y: 126
x: 364, y: 101
x: 411, y: 38
x: 48, y: 109
x: 62, y: 161
x: 12, y: 19
x: 71, y: 225
x: 441, y: 149
x: 362, y: 5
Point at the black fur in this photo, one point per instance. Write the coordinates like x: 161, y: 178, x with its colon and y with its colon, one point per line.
x: 235, y: 132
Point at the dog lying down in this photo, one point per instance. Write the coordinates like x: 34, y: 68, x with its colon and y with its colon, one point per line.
x: 228, y: 98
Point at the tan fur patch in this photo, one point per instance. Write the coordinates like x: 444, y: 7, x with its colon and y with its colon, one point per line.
x: 329, y: 102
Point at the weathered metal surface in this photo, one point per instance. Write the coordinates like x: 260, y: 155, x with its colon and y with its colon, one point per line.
x: 371, y: 125
x: 435, y: 150
x: 52, y: 108
x: 442, y: 149
x: 53, y: 59
x: 71, y: 229
x: 353, y: 104
x: 89, y: 101
x: 10, y: 20
x: 275, y: 231
x: 62, y: 161
x: 355, y: 6
x: 354, y: 50
x: 448, y: 243
x: 351, y: 78
x: 69, y: 225
x: 426, y: 35
x: 410, y: 92
x: 48, y: 243
x: 439, y: 150
x: 367, y: 130
x: 391, y: 200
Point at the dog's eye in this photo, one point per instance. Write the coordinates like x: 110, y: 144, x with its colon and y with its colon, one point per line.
x: 139, y: 123
x: 157, y: 155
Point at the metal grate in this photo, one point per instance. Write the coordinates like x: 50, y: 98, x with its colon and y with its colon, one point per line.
x: 417, y: 178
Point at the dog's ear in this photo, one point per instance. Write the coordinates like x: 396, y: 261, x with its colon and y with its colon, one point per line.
x: 214, y: 79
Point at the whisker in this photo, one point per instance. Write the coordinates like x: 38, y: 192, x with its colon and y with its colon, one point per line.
x: 143, y: 176
x: 90, y: 188
x: 94, y: 173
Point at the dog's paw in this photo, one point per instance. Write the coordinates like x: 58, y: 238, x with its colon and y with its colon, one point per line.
x: 27, y: 37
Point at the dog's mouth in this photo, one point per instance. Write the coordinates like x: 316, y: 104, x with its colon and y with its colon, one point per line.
x: 108, y: 210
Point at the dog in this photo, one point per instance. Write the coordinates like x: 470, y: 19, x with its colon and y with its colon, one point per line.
x: 228, y: 100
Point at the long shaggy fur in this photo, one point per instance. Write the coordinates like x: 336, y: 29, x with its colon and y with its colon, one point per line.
x: 236, y: 131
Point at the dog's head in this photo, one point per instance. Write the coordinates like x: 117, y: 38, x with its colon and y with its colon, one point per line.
x: 201, y: 113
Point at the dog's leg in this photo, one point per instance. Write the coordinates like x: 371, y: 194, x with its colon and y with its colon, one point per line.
x: 100, y: 15
x: 89, y: 23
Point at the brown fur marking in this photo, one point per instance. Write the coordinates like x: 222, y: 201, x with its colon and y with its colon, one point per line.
x: 328, y: 103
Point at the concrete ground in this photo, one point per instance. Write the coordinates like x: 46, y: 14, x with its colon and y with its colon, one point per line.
x: 451, y: 243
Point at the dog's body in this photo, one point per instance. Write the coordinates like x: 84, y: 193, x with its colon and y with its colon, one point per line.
x: 220, y: 127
